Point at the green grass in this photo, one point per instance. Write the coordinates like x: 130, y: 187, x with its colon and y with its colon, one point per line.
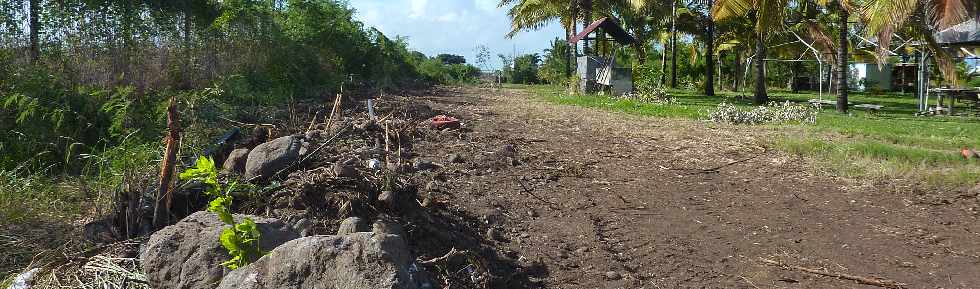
x: 890, y: 144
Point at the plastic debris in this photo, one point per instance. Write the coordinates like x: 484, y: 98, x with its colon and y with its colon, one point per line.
x: 444, y: 122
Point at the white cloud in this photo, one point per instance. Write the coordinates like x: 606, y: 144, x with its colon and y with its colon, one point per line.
x: 418, y: 8
x: 486, y: 5
x: 452, y: 26
x: 448, y: 17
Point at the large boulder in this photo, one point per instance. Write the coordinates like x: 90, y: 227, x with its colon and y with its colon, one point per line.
x: 187, y: 255
x: 360, y: 260
x: 266, y: 159
x: 235, y: 162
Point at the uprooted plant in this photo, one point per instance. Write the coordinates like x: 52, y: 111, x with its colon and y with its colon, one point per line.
x: 773, y: 113
x: 657, y: 95
x: 242, y: 238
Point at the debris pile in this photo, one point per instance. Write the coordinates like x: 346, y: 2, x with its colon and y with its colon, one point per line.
x: 346, y: 191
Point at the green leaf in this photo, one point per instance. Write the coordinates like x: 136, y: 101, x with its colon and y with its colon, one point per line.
x: 230, y: 240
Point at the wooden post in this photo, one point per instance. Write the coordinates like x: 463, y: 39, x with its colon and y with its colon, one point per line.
x: 161, y: 211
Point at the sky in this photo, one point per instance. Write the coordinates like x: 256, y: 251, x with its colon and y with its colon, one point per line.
x: 453, y: 26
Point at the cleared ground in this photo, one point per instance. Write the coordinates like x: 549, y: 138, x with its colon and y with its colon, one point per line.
x: 600, y: 199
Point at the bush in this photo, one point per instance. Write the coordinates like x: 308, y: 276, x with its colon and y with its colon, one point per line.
x: 773, y: 113
x: 656, y: 95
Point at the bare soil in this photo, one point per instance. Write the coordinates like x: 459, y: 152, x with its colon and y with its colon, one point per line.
x: 570, y: 197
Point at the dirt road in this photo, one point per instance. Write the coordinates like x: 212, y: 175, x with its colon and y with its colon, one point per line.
x: 595, y: 199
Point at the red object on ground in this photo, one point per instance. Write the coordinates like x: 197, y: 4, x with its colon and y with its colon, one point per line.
x: 443, y: 121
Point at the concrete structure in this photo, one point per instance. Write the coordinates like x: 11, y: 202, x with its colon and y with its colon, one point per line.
x: 871, y: 73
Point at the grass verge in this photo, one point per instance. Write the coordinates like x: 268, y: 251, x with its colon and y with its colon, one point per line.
x: 890, y: 144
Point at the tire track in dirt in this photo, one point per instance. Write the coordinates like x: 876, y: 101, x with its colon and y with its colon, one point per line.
x: 607, y: 200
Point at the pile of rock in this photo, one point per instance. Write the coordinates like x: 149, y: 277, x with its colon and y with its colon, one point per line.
x: 187, y: 255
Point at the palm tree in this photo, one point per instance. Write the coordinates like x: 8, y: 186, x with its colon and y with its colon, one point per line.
x: 842, y: 66
x: 920, y: 18
x: 766, y: 16
x: 534, y: 14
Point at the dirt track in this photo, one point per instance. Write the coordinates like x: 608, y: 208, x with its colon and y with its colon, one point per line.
x: 603, y: 200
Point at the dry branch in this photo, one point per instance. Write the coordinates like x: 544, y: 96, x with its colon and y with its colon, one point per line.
x: 452, y: 253
x: 333, y: 111
x: 886, y: 283
x: 161, y: 210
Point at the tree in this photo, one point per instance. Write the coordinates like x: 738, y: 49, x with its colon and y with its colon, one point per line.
x: 555, y: 61
x: 35, y: 27
x: 842, y: 66
x: 765, y: 16
x: 451, y: 59
x: 673, y: 44
x: 918, y: 18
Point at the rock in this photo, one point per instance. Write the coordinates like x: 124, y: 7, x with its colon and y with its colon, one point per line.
x: 507, y: 151
x: 235, y: 163
x: 367, y: 125
x: 423, y: 165
x: 344, y: 170
x: 431, y: 186
x: 267, y: 159
x: 493, y: 234
x: 532, y: 213
x: 387, y: 198
x: 384, y: 225
x: 494, y: 217
x: 187, y: 255
x: 455, y: 158
x: 352, y: 225
x: 101, y: 231
x: 562, y: 254
x: 313, y: 134
x: 359, y: 260
x: 613, y: 275
x: 303, y: 226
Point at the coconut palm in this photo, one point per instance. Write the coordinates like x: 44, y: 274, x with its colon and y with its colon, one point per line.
x: 534, y: 14
x: 765, y: 16
x: 768, y: 16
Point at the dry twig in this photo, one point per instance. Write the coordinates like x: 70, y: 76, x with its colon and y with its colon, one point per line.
x: 452, y: 253
x: 886, y: 283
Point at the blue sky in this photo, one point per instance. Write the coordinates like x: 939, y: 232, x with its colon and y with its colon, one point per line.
x: 452, y: 26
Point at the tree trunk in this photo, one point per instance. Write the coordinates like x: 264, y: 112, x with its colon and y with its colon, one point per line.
x: 673, y: 45
x: 761, y: 97
x: 568, y: 62
x: 35, y: 26
x: 794, y: 72
x: 587, y: 17
x: 663, y: 65
x: 737, y: 69
x: 842, y: 69
x: 573, y: 47
x: 161, y: 208
x: 709, y: 85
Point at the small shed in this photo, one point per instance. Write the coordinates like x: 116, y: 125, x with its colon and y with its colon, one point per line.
x: 598, y: 73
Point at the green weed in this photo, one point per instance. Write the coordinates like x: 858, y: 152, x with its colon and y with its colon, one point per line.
x: 242, y: 238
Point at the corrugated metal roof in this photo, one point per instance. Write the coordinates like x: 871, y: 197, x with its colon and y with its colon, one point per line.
x: 608, y: 25
x: 963, y: 34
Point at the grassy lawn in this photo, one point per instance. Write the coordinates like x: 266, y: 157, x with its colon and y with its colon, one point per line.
x: 890, y: 144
